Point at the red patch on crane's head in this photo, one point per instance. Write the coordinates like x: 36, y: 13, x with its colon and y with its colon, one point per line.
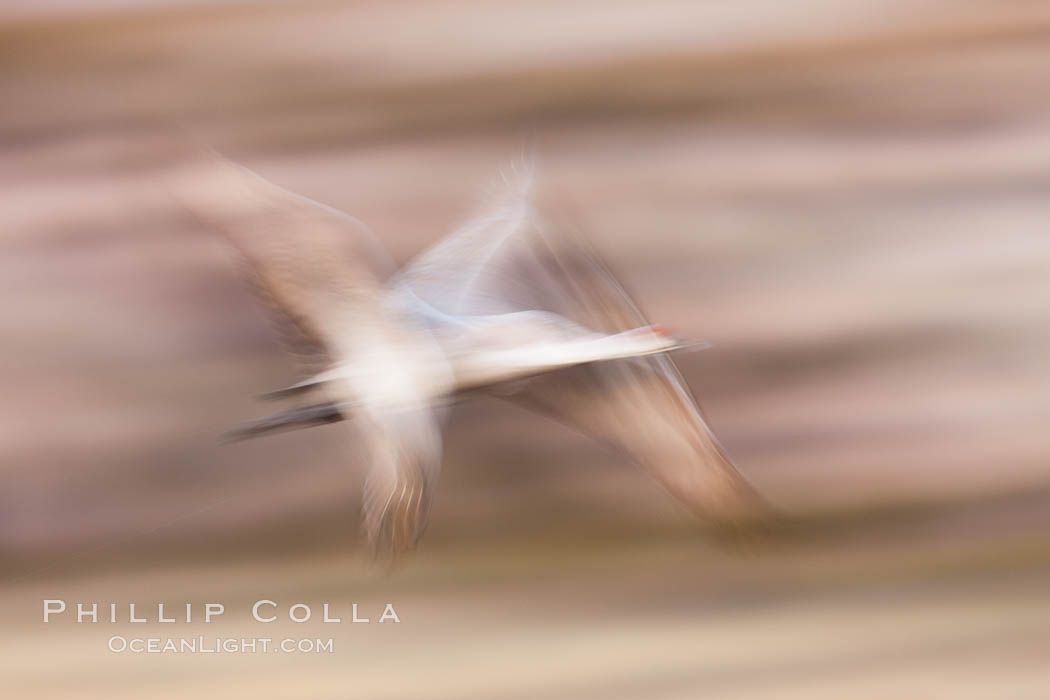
x: 661, y: 329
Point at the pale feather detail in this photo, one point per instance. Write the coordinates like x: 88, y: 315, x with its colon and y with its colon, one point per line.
x: 404, y: 451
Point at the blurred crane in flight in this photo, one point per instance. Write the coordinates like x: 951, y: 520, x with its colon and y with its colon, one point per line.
x: 506, y: 305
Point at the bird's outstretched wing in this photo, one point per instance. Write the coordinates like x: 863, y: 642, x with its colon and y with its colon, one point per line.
x: 510, y: 260
x: 318, y: 270
x: 324, y: 277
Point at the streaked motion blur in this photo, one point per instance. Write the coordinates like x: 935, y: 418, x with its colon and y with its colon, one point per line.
x: 848, y: 198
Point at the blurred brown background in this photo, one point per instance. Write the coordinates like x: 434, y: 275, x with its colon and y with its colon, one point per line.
x: 849, y: 199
